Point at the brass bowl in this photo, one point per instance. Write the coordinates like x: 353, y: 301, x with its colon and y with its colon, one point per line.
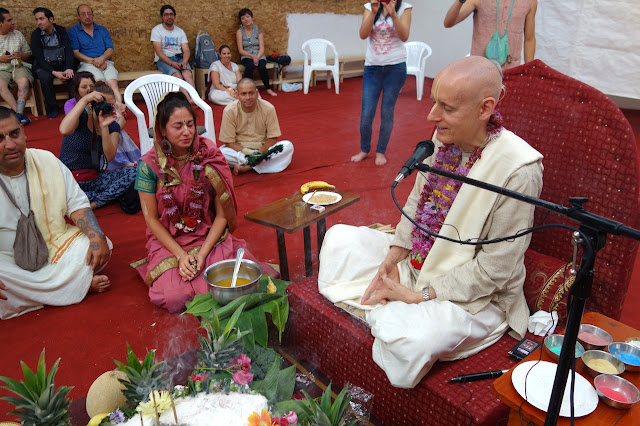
x: 224, y: 270
x: 590, y: 356
x: 555, y: 341
x: 624, y: 351
x: 617, y: 384
x: 597, y: 332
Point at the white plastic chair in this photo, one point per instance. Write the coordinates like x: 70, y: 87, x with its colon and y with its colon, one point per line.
x: 417, y: 54
x: 315, y: 59
x: 152, y: 87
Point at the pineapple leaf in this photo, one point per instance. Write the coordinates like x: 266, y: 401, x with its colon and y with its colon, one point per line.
x: 339, y: 406
x: 232, y: 322
x: 325, y: 400
x: 41, y: 371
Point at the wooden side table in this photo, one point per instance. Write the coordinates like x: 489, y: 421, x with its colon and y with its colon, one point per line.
x: 603, y: 415
x: 280, y: 216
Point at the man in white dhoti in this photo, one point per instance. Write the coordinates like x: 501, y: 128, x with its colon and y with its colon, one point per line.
x: 428, y: 299
x: 250, y: 127
x: 38, y: 182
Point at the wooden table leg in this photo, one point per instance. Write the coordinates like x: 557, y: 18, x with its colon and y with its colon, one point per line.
x: 308, y: 263
x: 321, y: 228
x: 282, y: 255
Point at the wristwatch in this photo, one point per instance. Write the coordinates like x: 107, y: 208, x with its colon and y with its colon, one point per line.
x: 425, y: 294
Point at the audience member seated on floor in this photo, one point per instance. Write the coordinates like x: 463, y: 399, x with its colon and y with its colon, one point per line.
x: 52, y: 57
x: 249, y: 131
x: 34, y: 180
x: 91, y: 137
x: 93, y: 47
x: 429, y: 299
x: 171, y: 47
x: 250, y: 42
x: 224, y: 76
x: 188, y: 202
x: 14, y: 52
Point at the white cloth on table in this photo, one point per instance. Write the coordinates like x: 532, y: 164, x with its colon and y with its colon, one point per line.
x: 275, y: 163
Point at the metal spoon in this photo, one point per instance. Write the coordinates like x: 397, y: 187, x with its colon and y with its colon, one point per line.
x: 237, y: 266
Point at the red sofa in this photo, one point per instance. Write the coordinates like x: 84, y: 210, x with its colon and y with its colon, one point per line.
x: 589, y: 151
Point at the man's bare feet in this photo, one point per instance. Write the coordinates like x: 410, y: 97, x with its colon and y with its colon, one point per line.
x: 359, y: 157
x: 381, y: 160
x: 272, y: 93
x: 93, y: 205
x: 99, y: 284
x: 240, y: 169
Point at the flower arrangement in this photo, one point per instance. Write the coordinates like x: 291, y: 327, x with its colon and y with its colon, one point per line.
x: 440, y: 192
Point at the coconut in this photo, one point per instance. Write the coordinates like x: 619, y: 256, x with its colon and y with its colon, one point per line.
x: 105, y: 394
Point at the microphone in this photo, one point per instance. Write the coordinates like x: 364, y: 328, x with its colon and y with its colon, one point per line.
x: 463, y: 378
x: 423, y: 150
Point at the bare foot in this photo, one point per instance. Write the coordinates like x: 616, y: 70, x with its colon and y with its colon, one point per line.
x: 380, y: 159
x: 240, y: 169
x: 99, y: 284
x: 359, y: 157
x: 93, y: 205
x: 272, y: 93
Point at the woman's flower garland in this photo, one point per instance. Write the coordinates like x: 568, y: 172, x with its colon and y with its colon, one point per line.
x: 439, y: 193
x: 188, y: 220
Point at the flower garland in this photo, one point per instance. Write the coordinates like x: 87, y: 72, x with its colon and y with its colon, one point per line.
x: 439, y: 193
x: 188, y: 220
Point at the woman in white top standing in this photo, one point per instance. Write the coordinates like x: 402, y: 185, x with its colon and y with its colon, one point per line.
x: 386, y: 26
x: 224, y: 76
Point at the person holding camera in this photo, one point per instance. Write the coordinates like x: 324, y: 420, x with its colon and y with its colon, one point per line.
x: 13, y: 65
x: 91, y: 134
x: 53, y: 57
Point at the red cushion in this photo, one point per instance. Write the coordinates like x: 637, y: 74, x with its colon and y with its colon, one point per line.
x: 547, y: 283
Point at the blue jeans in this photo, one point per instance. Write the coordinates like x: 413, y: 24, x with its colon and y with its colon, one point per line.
x: 387, y: 79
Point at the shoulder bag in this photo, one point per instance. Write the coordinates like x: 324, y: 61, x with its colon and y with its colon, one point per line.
x: 498, y: 47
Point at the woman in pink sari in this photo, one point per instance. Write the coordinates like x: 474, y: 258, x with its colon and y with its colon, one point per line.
x: 189, y: 205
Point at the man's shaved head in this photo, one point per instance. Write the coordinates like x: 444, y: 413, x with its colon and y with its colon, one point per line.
x: 477, y: 76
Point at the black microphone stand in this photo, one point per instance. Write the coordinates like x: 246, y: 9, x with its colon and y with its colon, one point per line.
x: 595, y: 228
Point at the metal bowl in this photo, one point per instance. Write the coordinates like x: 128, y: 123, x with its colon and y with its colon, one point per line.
x: 224, y: 270
x: 633, y: 341
x: 617, y: 384
x: 590, y: 356
x: 595, y: 331
x: 555, y: 341
x: 624, y: 351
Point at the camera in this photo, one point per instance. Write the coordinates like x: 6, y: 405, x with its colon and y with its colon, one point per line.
x: 103, y: 106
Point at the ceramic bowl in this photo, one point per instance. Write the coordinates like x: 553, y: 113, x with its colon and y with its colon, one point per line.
x: 222, y: 270
x: 599, y: 333
x: 555, y: 341
x: 589, y: 356
x: 625, y: 351
x: 607, y: 384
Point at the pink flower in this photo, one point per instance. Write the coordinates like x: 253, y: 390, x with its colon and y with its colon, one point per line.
x: 243, y: 361
x: 242, y: 377
x: 292, y: 417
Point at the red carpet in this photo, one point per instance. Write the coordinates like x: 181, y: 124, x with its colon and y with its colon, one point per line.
x: 324, y: 128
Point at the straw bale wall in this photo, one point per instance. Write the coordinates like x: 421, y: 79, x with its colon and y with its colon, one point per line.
x: 130, y: 21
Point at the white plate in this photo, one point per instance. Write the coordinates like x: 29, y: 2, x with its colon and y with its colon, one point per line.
x: 540, y: 385
x: 307, y: 197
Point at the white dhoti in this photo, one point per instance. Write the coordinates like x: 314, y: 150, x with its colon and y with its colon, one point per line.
x: 62, y: 283
x: 409, y: 338
x: 275, y: 163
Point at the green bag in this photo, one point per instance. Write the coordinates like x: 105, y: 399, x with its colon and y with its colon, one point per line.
x: 498, y: 47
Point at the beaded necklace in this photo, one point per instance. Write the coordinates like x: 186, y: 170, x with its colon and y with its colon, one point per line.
x: 439, y: 193
x: 186, y: 219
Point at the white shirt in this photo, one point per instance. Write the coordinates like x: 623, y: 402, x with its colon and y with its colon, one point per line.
x: 384, y: 47
x: 9, y: 215
x: 170, y: 41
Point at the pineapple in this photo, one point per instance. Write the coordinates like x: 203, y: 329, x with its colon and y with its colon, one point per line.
x: 142, y: 377
x: 40, y: 404
x: 220, y: 345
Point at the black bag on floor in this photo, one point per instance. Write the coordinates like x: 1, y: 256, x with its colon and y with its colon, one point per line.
x: 130, y: 201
